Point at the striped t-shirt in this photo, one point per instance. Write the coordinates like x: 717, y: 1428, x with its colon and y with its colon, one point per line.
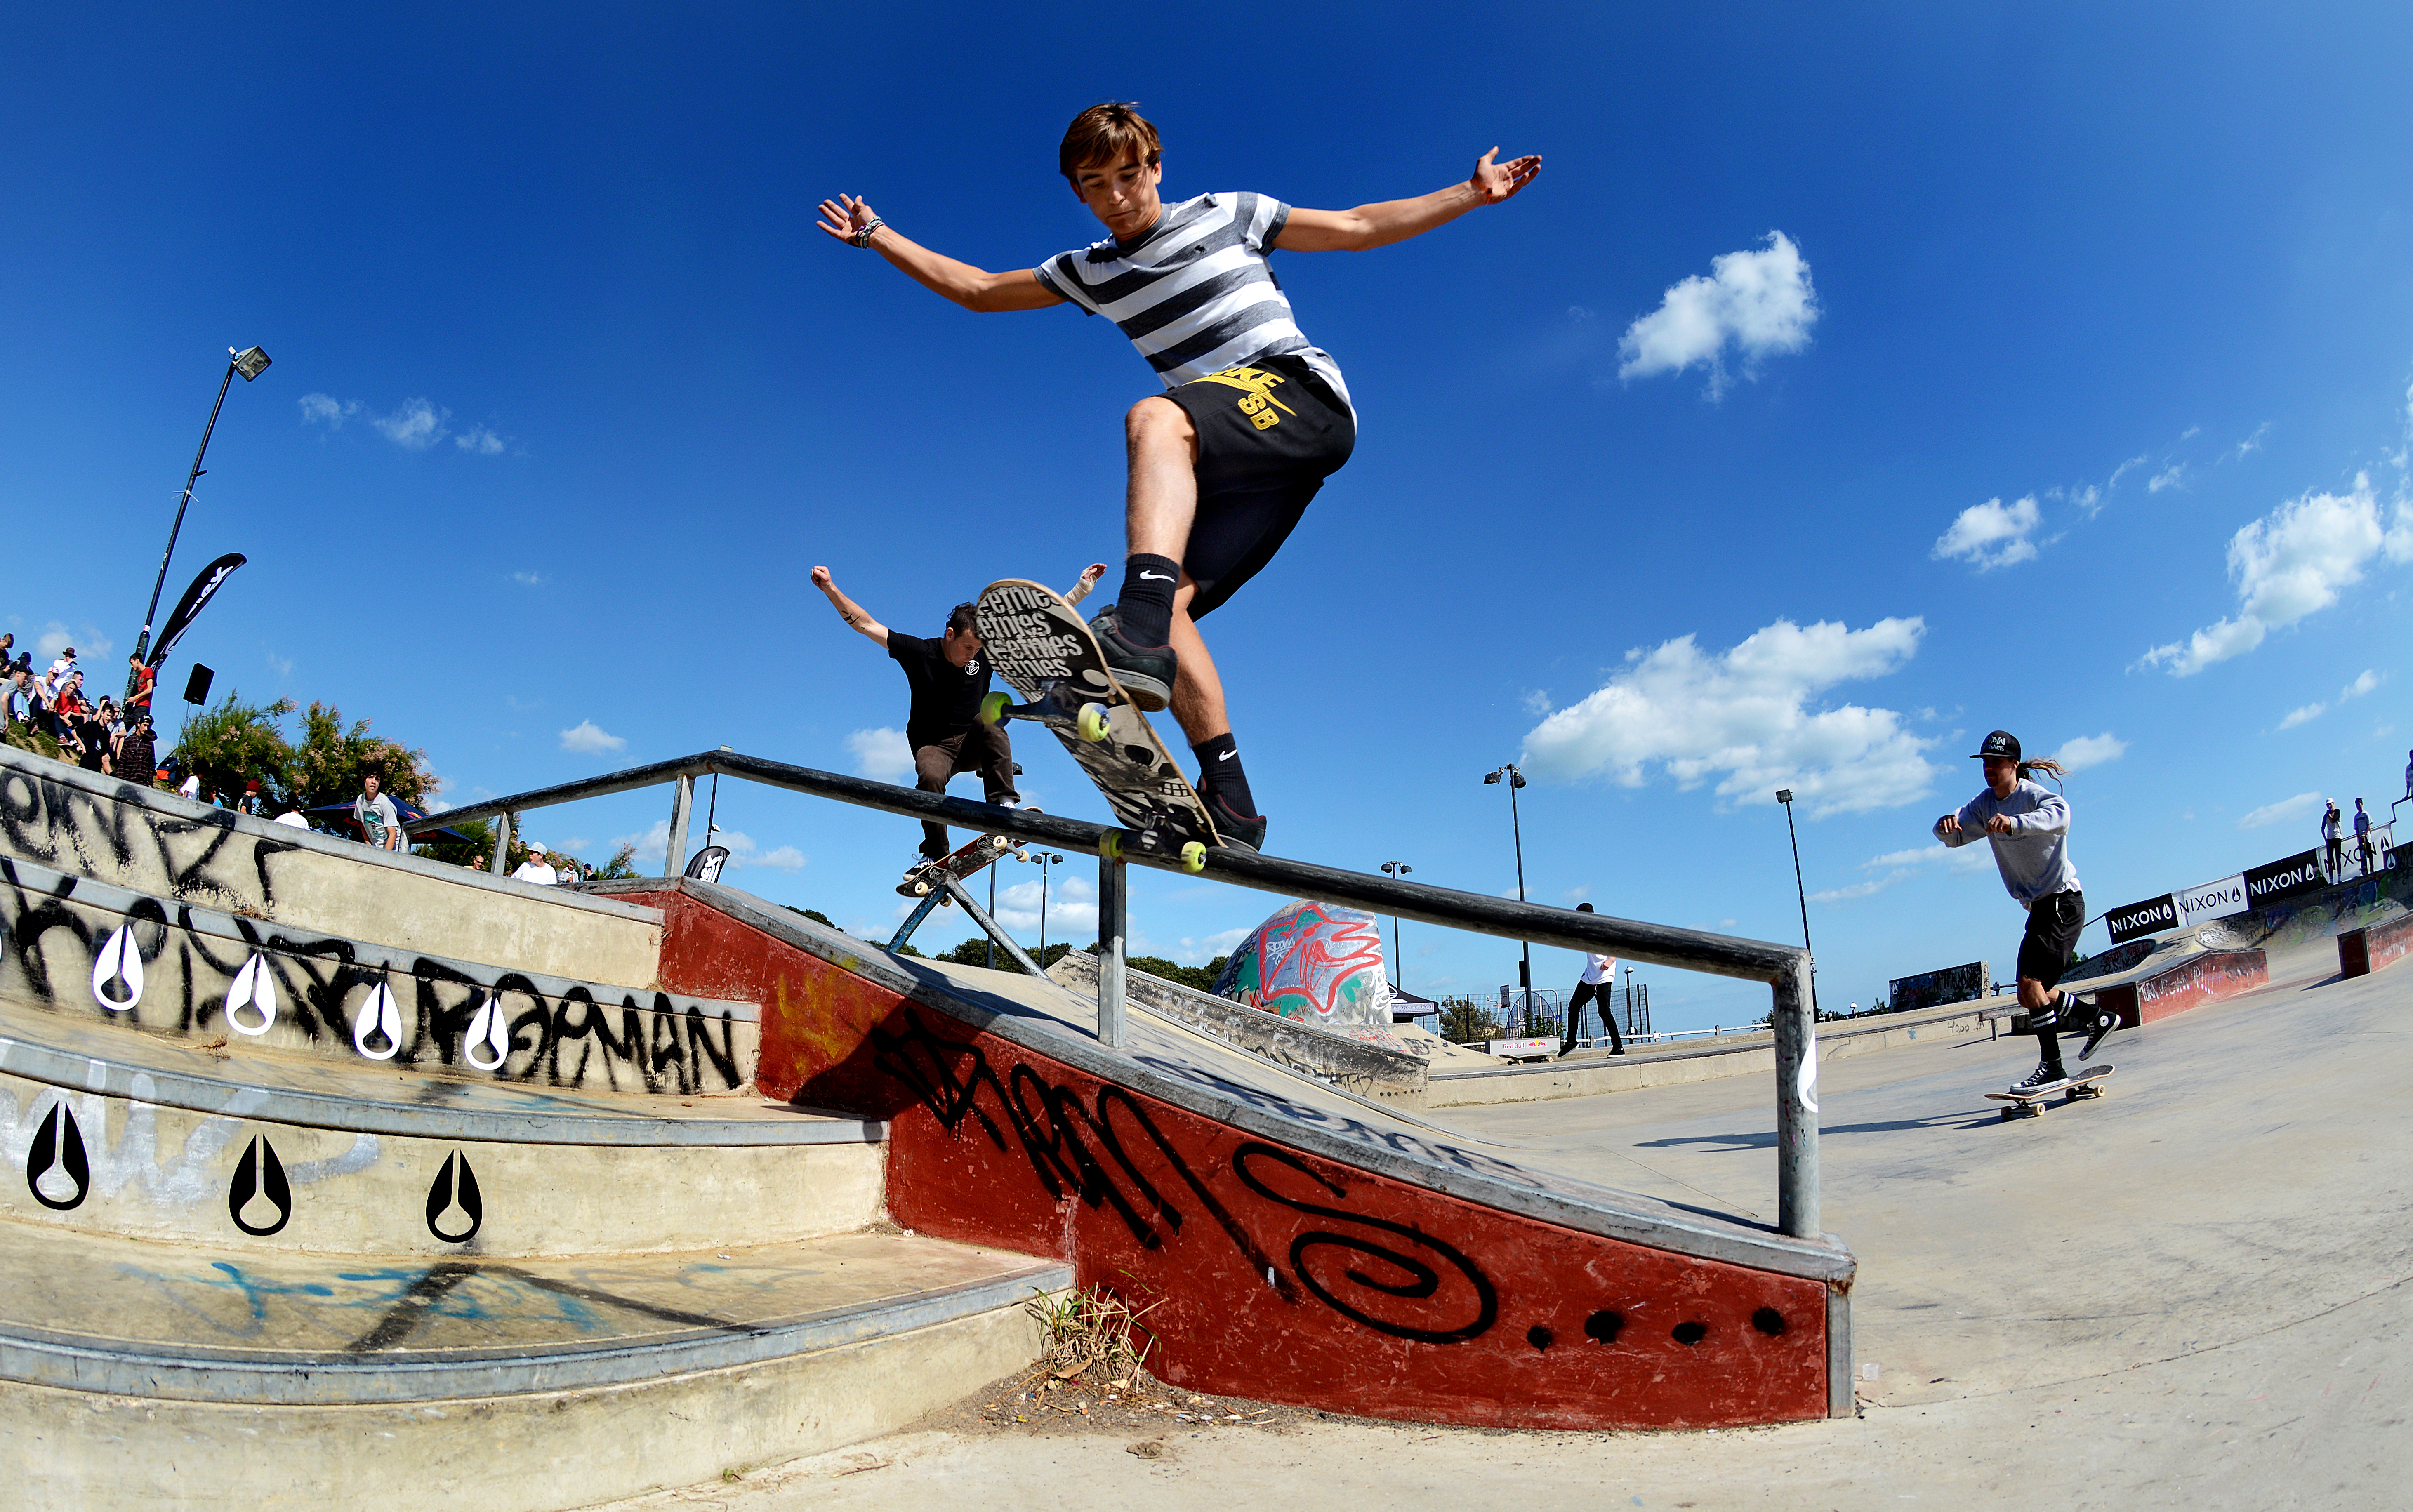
x: 1196, y: 294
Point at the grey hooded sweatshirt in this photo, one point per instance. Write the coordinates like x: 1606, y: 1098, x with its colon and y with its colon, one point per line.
x: 2033, y: 858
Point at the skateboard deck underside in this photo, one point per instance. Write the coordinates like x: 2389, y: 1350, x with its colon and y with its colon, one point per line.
x: 963, y: 862
x: 1042, y: 648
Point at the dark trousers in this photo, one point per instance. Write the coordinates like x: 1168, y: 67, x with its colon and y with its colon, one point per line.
x: 982, y: 748
x: 2337, y: 859
x: 1594, y: 992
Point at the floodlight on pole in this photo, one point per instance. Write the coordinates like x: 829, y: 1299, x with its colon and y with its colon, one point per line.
x: 251, y: 361
x: 1516, y: 829
x: 1399, y: 963
x: 1785, y: 796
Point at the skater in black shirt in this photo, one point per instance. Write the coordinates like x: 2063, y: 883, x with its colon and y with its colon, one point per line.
x: 947, y: 677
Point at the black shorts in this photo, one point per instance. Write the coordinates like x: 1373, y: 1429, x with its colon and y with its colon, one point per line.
x: 2053, y: 926
x: 1268, y: 434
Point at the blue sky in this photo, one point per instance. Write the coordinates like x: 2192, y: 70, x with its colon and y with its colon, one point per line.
x: 1849, y: 384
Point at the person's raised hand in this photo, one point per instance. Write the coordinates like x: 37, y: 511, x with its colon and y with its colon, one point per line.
x: 1498, y: 182
x: 821, y: 578
x: 1948, y: 824
x: 845, y: 215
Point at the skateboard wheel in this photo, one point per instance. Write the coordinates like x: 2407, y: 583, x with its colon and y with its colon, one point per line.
x: 992, y: 708
x: 921, y: 889
x: 1193, y: 856
x: 999, y: 843
x: 1092, y: 721
x: 1111, y: 845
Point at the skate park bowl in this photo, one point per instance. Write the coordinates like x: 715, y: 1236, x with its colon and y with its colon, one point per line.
x: 311, y: 1145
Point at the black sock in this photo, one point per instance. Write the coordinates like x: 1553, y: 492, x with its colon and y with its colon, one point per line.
x: 1219, y: 774
x: 2050, y: 1043
x: 1146, y: 606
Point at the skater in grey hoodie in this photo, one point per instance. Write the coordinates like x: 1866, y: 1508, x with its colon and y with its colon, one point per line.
x: 2028, y: 825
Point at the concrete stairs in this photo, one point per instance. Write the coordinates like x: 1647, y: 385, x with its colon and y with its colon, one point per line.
x: 402, y: 1227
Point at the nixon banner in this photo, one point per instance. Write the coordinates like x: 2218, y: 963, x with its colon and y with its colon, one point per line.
x: 2282, y: 879
x: 2210, y: 900
x: 2135, y: 921
x: 1930, y: 989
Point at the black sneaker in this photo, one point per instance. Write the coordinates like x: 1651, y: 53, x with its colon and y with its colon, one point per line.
x: 2043, y: 1079
x: 2105, y: 1021
x: 1146, y: 672
x: 1240, y: 832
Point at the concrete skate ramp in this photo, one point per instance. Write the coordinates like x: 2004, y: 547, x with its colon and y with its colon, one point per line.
x: 1298, y: 1244
x: 157, y: 843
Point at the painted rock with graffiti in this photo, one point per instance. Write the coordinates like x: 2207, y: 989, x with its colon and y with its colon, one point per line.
x: 1318, y: 963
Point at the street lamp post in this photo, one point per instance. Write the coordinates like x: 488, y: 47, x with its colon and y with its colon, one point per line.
x: 250, y: 361
x: 1399, y: 963
x: 1785, y: 796
x: 1525, y: 967
x: 1043, y: 860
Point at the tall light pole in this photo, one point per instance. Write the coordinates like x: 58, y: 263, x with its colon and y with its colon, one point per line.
x: 1400, y: 965
x: 1525, y: 967
x: 1785, y: 796
x: 1044, y: 861
x: 250, y: 361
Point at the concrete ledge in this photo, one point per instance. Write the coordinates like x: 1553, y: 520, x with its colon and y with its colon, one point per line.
x: 1367, y: 1070
x: 154, y: 842
x: 2375, y: 947
x: 2190, y: 983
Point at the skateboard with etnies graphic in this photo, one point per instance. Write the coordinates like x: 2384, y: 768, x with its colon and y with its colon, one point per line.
x: 2085, y: 1083
x: 928, y: 877
x: 1041, y: 646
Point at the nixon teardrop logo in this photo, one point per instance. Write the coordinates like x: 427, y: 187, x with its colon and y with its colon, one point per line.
x: 252, y: 987
x: 379, y: 1018
x: 489, y: 1030
x: 56, y: 1171
x: 454, y: 1213
x: 260, y: 1199
x: 117, y: 972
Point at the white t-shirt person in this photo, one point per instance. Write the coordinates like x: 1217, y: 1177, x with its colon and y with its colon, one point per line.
x: 535, y: 870
x: 1599, y: 969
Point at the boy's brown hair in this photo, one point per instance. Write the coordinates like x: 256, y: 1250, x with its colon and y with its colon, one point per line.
x: 1100, y: 134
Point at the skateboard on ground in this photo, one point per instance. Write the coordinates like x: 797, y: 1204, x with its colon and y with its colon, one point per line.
x: 2085, y: 1082
x: 1041, y: 646
x: 926, y: 877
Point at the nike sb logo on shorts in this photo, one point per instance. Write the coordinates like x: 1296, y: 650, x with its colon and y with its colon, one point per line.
x: 1257, y: 385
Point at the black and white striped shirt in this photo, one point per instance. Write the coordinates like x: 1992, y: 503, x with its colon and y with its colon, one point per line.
x: 1194, y: 294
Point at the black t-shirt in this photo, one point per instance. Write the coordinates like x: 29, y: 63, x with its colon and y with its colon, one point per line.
x: 946, y: 697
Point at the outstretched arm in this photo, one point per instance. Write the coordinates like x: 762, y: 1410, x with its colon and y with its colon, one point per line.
x: 846, y: 219
x: 1396, y: 220
x: 848, y: 609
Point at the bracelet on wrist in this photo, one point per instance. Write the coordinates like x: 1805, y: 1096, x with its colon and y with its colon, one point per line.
x: 863, y: 237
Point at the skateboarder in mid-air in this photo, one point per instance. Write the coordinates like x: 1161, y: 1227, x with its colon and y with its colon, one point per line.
x: 1255, y: 417
x: 947, y: 677
x: 2028, y: 825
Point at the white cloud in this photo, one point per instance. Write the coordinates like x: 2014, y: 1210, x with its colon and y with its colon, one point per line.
x: 1072, y: 907
x: 90, y: 645
x: 586, y: 739
x: 880, y: 754
x: 1760, y: 300
x: 1743, y: 713
x: 480, y: 439
x: 531, y: 580
x: 2291, y: 563
x: 327, y: 408
x: 1199, y: 952
x: 2090, y: 751
x: 1990, y: 534
x: 416, y: 426
x: 743, y: 849
x: 2127, y: 467
x: 1536, y: 703
x: 2364, y: 683
x: 2250, y: 445
x: 2302, y: 806
x: 649, y: 846
x: 2169, y: 476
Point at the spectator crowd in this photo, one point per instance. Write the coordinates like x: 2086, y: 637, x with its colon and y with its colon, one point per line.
x: 93, y: 730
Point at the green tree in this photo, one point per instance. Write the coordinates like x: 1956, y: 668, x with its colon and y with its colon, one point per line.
x: 623, y: 864
x: 328, y: 759
x: 235, y: 743
x: 1464, y: 1020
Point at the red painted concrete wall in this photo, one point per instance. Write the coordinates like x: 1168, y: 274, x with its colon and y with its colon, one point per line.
x: 2362, y: 951
x: 2190, y: 983
x: 1272, y: 1273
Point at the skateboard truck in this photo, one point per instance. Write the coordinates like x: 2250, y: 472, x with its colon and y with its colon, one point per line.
x: 1122, y: 844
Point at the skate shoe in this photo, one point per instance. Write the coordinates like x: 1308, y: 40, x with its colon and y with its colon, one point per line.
x: 1146, y: 672
x: 1240, y: 832
x: 2103, y: 1019
x: 2043, y: 1079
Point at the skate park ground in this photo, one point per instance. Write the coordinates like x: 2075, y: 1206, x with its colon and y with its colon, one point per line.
x: 2190, y: 1292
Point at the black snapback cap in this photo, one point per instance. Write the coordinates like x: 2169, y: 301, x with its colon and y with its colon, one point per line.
x: 2000, y: 743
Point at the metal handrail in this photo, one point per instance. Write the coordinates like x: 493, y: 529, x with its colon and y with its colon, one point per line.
x: 1785, y: 969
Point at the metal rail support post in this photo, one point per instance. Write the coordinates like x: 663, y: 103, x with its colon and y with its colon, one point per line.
x: 506, y: 825
x: 682, y: 809
x: 1111, y: 902
x: 1797, y: 1103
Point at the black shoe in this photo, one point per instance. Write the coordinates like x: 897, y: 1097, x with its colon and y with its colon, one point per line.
x: 1146, y: 672
x: 2043, y: 1079
x: 2105, y: 1022
x: 1240, y: 832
